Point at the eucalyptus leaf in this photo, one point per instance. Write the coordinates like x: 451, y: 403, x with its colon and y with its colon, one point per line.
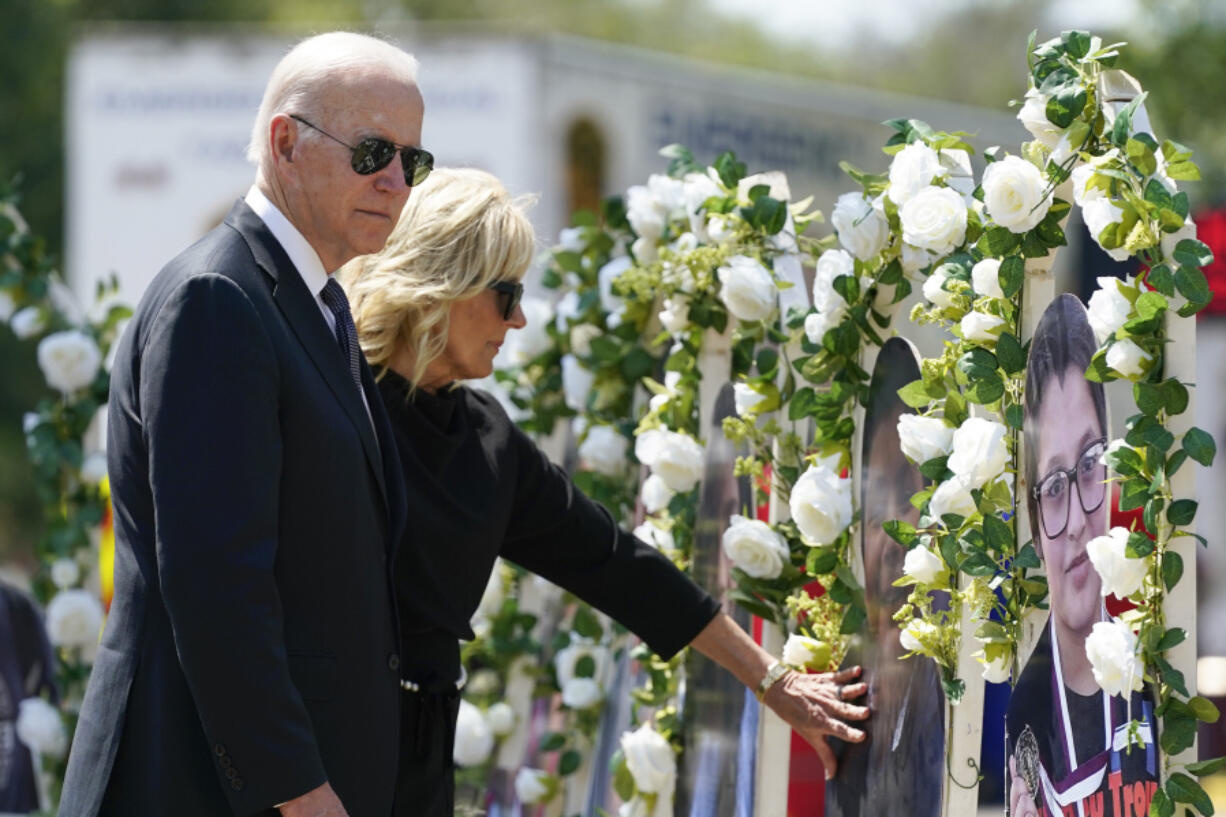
x: 1200, y: 446
x: 1172, y: 569
x: 1139, y: 545
x: 1162, y: 279
x: 1182, y: 512
x: 1184, y: 789
x: 1009, y: 353
x: 1207, y: 767
x: 1190, y: 252
x: 1192, y: 284
x: 1204, y: 709
x: 902, y: 532
x: 1160, y: 805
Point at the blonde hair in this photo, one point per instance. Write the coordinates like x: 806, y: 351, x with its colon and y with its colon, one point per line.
x: 311, y: 68
x: 459, y: 232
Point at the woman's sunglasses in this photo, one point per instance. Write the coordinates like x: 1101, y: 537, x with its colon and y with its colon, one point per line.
x: 509, y: 293
x: 373, y: 154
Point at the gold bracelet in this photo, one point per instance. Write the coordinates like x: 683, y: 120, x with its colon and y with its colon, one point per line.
x: 773, y: 673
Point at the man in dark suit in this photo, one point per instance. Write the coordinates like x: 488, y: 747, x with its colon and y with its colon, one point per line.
x: 249, y: 663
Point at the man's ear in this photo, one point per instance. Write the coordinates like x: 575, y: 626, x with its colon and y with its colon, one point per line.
x: 283, y: 138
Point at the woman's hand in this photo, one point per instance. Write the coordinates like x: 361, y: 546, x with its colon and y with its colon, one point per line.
x: 1021, y: 799
x: 817, y: 706
x: 814, y: 705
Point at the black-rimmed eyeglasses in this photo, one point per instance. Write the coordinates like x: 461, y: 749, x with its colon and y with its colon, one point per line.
x: 372, y: 154
x: 509, y: 294
x: 1052, y: 493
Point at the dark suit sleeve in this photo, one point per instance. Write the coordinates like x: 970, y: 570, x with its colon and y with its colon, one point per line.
x: 209, y: 397
x: 558, y: 532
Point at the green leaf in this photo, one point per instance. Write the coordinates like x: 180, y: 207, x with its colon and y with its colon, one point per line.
x: 767, y: 360
x: 1178, y: 730
x: 1176, y: 396
x: 1123, y: 120
x: 822, y: 560
x: 1139, y: 545
x: 1184, y: 789
x: 853, y: 620
x: 997, y: 533
x: 1200, y: 446
x: 1160, y: 805
x: 623, y: 780
x: 637, y: 364
x: 1149, y: 398
x: 1161, y: 279
x: 730, y: 170
x: 802, y: 404
x: 586, y: 623
x: 569, y: 763
x: 753, y: 605
x: 1192, y: 284
x: 1009, y: 353
x: 585, y: 667
x: 1014, y: 415
x: 553, y: 742
x: 1204, y: 709
x: 1026, y: 557
x: 1182, y: 512
x: 986, y: 391
x: 955, y: 408
x: 901, y: 532
x: 915, y: 395
x: 1150, y: 305
x: 1171, y: 638
x: 1012, y: 274
x: 1153, y: 512
x: 1206, y: 767
x: 997, y: 242
x: 935, y: 468
x: 1190, y: 252
x: 1172, y: 569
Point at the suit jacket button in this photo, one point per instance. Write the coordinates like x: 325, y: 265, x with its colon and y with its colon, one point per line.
x: 237, y: 784
x: 393, y: 662
x: 224, y: 761
x: 219, y: 750
x: 231, y: 774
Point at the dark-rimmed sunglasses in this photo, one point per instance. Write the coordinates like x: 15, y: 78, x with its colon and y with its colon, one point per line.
x: 509, y: 294
x: 1053, y: 492
x: 372, y: 154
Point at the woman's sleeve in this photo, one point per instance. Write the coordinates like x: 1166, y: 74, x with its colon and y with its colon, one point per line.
x: 559, y: 533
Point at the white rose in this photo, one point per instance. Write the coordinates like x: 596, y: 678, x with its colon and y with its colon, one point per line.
x: 912, y: 169
x: 821, y: 504
x: 645, y: 252
x: 581, y: 693
x: 919, y: 636
x: 656, y: 494
x: 803, y: 653
x: 698, y: 187
x: 1015, y: 194
x: 93, y: 469
x: 746, y: 288
x: 473, y: 739
x: 1121, y: 574
x: 40, y: 727
x: 668, y: 191
x: 935, y: 292
x: 500, y: 718
x: 604, y: 451
x: 985, y: 278
x: 1098, y: 214
x: 981, y: 327
x: 566, y: 662
x: 74, y: 619
x: 1112, y: 650
x: 832, y: 264
x: 70, y: 360
x: 674, y: 314
x: 979, y: 452
x: 27, y: 323
x: 922, y: 565
x: 7, y: 306
x: 610, y: 303
x: 655, y: 536
x: 934, y: 219
x: 645, y: 212
x: 817, y: 324
x: 747, y: 399
x: 953, y: 497
x: 650, y: 759
x: 1108, y: 309
x: 754, y: 547
x: 1083, y: 191
x: 676, y: 457
x: 533, y: 786
x: 1171, y: 240
x: 862, y: 230
x: 1128, y: 359
x: 581, y: 337
x: 30, y: 421
x: 914, y: 259
x: 995, y: 671
x: 1033, y: 117
x: 577, y: 382
x: 567, y: 310
x: 924, y: 438
x: 634, y: 807
x: 571, y: 239
x: 65, y: 573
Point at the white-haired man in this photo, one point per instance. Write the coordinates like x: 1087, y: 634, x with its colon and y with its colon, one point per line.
x: 249, y: 664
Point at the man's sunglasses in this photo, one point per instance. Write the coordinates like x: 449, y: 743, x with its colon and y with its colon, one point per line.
x: 509, y: 294
x: 373, y: 154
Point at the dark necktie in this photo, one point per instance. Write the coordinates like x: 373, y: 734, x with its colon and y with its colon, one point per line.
x: 346, y: 333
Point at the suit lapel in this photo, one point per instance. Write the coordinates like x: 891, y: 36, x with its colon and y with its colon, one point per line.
x: 302, y: 312
x: 397, y: 505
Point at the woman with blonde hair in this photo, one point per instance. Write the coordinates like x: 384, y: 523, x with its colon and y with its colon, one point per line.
x: 432, y: 309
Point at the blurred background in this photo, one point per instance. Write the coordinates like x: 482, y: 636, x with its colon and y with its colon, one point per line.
x: 125, y: 123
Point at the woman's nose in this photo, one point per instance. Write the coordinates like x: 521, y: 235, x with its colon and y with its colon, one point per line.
x: 518, y: 320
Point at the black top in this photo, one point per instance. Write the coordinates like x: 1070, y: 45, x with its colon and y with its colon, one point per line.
x: 479, y: 488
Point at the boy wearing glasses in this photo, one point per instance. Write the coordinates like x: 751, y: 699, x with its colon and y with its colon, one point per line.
x: 1067, y: 739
